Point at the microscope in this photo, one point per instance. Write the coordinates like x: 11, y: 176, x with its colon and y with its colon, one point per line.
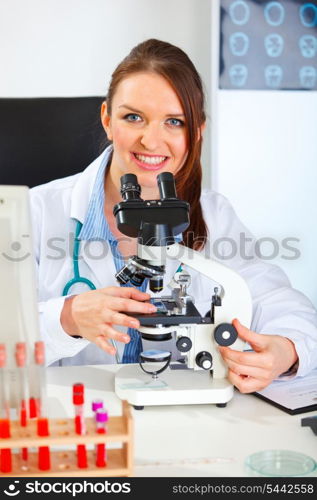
x: 199, y: 375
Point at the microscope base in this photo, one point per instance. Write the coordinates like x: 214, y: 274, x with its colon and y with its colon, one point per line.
x: 173, y: 387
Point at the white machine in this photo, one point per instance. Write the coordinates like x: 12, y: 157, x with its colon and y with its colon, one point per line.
x: 19, y: 324
x: 200, y: 374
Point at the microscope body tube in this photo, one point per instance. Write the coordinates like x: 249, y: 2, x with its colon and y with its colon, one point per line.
x: 154, y: 255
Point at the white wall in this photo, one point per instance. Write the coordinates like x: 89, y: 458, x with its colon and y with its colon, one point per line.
x: 265, y: 162
x: 71, y: 47
x: 267, y: 154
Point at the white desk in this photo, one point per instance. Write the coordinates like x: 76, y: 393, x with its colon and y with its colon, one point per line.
x: 183, y: 434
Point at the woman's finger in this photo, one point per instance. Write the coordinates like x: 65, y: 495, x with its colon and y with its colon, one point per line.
x: 250, y: 371
x: 104, y: 344
x: 111, y: 333
x: 129, y: 305
x: 117, y: 318
x: 124, y: 291
x: 245, y: 384
x: 243, y: 358
x: 258, y: 341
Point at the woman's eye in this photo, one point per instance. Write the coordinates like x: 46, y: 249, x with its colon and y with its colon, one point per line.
x: 175, y: 122
x: 132, y: 117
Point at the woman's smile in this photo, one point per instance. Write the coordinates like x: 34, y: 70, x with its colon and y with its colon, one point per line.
x: 149, y: 162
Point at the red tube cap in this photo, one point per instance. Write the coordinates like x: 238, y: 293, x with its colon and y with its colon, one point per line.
x: 78, y: 394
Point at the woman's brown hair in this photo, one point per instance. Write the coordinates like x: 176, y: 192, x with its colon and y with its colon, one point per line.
x: 175, y: 66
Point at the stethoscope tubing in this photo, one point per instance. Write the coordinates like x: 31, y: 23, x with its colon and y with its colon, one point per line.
x: 77, y: 278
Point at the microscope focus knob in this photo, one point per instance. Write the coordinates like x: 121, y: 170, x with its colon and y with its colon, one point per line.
x: 225, y: 334
x: 184, y: 344
x: 204, y: 360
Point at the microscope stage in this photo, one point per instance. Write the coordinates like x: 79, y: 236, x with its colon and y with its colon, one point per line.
x: 173, y: 387
x: 166, y: 317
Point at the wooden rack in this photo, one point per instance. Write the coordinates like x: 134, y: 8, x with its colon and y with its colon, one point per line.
x: 64, y: 462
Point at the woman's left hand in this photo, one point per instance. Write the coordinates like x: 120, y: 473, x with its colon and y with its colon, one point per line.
x: 252, y: 371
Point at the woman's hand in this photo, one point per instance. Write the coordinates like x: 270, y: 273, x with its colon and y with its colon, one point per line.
x: 92, y: 314
x: 252, y: 371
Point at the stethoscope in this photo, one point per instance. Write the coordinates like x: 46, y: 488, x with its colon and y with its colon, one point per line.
x: 77, y: 278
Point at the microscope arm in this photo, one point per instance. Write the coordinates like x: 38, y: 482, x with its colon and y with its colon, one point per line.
x: 236, y: 297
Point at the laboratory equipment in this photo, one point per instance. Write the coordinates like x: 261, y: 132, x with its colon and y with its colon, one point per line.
x: 78, y: 402
x: 280, y: 463
x: 24, y: 418
x: 96, y: 405
x: 200, y: 376
x: 101, y: 428
x: 44, y: 456
x: 20, y: 357
x: 5, y: 424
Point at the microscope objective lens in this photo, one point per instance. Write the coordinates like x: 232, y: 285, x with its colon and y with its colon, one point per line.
x: 156, y: 284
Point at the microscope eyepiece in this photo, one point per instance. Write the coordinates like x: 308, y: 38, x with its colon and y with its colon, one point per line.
x: 130, y: 189
x: 166, y: 185
x: 128, y: 178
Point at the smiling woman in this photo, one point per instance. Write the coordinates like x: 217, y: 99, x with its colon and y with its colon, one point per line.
x: 154, y: 114
x: 149, y: 134
x: 154, y: 117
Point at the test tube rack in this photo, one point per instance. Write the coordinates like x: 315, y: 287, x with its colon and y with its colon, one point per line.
x: 64, y: 462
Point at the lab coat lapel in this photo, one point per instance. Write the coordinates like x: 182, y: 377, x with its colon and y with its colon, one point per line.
x: 98, y: 257
x: 83, y: 188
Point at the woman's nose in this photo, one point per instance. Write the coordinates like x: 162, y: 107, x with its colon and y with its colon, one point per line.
x: 151, y: 137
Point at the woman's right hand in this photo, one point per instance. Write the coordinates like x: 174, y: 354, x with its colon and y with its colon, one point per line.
x: 93, y: 314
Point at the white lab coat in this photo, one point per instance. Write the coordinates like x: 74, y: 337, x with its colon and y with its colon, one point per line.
x: 277, y: 307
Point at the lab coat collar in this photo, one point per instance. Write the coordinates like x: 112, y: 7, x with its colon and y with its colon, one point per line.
x: 81, y: 195
x: 84, y: 186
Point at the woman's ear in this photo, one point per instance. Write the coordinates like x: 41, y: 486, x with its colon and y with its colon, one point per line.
x: 106, y: 120
x: 201, y: 130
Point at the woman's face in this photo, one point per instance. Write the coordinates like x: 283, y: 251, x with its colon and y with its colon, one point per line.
x: 147, y: 127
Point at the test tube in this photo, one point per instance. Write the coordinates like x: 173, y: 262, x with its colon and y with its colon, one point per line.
x: 44, y: 458
x: 101, y: 452
x: 78, y: 402
x: 5, y: 453
x: 20, y: 358
x: 35, y: 382
x: 34, y: 388
x: 96, y: 404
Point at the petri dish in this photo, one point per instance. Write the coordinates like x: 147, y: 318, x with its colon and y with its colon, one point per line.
x: 280, y: 463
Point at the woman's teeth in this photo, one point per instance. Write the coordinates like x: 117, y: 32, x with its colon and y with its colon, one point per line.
x: 151, y: 160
